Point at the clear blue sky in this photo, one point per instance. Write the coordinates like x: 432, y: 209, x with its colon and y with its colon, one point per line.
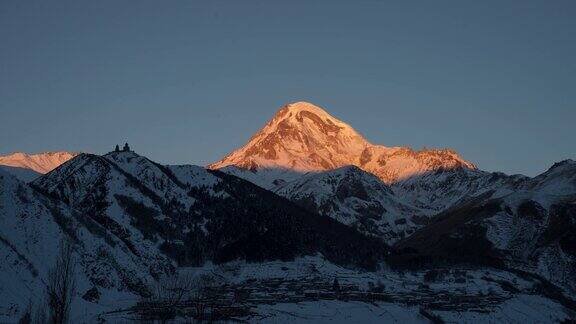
x: 189, y: 81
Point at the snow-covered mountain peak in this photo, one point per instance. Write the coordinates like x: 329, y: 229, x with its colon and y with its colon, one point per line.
x: 304, y: 106
x: 300, y: 137
x: 301, y: 109
x: 41, y: 162
x: 308, y: 118
x: 304, y: 138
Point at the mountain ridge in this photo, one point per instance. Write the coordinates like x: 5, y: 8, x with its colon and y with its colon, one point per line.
x: 152, y: 206
x: 39, y: 162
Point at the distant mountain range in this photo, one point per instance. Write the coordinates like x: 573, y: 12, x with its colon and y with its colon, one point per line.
x: 306, y: 184
x: 28, y: 167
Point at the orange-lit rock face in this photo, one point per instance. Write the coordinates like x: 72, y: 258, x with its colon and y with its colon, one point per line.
x: 303, y: 137
x: 41, y: 163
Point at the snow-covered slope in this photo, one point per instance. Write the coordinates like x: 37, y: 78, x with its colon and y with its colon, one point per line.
x: 358, y: 199
x: 532, y: 228
x: 41, y: 162
x: 560, y: 179
x: 109, y: 195
x: 303, y: 138
x: 441, y: 189
x: 32, y: 227
x: 26, y: 175
x: 361, y: 200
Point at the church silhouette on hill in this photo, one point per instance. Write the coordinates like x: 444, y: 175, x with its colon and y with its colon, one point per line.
x: 126, y: 148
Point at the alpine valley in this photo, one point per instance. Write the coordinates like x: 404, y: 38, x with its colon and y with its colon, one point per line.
x: 308, y: 222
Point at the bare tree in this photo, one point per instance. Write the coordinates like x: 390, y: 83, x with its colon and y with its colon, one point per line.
x: 199, y: 293
x: 61, y: 285
x: 173, y: 290
x: 165, y: 297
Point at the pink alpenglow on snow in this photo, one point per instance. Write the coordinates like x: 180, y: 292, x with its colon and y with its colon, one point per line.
x: 41, y: 162
x: 302, y: 137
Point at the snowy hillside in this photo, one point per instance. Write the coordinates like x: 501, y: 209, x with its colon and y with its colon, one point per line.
x: 531, y: 228
x: 26, y: 175
x: 31, y: 229
x: 441, y: 189
x: 358, y: 199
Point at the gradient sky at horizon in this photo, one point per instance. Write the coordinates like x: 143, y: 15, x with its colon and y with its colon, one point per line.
x: 189, y: 81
